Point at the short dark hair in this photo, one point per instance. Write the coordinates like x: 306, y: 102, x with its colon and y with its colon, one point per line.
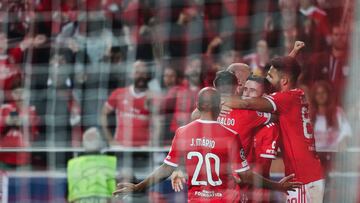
x: 224, y: 77
x: 257, y: 79
x: 287, y: 65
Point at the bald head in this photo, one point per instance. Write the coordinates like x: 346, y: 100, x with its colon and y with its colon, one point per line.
x: 242, y: 72
x: 209, y: 101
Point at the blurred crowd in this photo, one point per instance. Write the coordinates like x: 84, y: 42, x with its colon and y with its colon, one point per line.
x: 134, y: 67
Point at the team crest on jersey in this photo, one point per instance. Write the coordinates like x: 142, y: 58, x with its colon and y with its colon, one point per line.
x: 261, y: 114
x: 242, y: 154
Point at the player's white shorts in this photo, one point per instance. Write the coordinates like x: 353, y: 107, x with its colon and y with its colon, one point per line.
x: 309, y: 193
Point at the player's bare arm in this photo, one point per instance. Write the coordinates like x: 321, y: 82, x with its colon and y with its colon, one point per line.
x: 160, y: 174
x: 284, y: 185
x: 247, y: 177
x: 257, y: 104
x: 297, y: 47
x: 104, y: 123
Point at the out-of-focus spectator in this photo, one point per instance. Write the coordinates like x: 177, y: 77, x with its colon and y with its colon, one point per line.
x: 332, y: 64
x: 18, y: 127
x: 259, y: 59
x: 91, y: 176
x: 220, y: 53
x: 8, y: 71
x: 186, y: 94
x: 118, y: 72
x: 288, y: 10
x: 20, y: 16
x: 170, y: 86
x: 331, y: 127
x: 186, y: 34
x: 314, y: 26
x: 132, y: 112
x: 309, y: 9
x: 63, y: 110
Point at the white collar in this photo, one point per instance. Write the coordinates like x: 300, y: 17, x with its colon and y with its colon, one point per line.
x: 3, y: 57
x: 136, y: 95
x: 205, y: 121
x: 308, y: 11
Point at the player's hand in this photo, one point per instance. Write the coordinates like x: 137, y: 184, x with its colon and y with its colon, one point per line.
x: 286, y: 185
x: 177, y: 180
x: 215, y: 42
x: 298, y: 45
x: 123, y: 189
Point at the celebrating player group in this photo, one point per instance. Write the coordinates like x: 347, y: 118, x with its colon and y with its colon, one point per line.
x: 237, y: 129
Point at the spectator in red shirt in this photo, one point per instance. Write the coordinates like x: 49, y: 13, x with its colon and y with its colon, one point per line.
x: 132, y: 112
x: 166, y: 104
x: 18, y: 127
x: 332, y: 64
x: 185, y: 96
x: 9, y: 72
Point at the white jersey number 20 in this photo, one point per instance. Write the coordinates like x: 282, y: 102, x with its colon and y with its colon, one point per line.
x: 208, y: 156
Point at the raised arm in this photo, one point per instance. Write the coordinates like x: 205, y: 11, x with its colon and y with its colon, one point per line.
x: 297, y: 46
x: 160, y: 174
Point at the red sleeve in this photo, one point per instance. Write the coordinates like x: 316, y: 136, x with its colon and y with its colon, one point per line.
x: 173, y: 157
x: 113, y: 98
x: 2, y: 120
x: 266, y: 145
x: 258, y: 118
x: 237, y: 154
x: 280, y: 101
x: 16, y: 55
x: 251, y: 119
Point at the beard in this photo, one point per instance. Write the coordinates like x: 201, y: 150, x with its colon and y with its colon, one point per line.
x: 141, y: 83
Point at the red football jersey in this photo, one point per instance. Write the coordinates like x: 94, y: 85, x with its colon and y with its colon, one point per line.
x: 245, y: 123
x: 132, y: 116
x: 296, y: 135
x: 16, y: 137
x: 211, y: 153
x: 265, y: 141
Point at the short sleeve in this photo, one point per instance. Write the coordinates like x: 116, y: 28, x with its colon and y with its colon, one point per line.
x: 237, y: 154
x: 257, y: 118
x: 173, y: 157
x: 266, y: 144
x: 112, y: 100
x: 279, y: 101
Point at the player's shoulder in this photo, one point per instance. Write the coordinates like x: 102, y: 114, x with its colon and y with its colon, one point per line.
x: 228, y: 130
x: 297, y: 91
x: 190, y: 126
x: 7, y: 106
x: 287, y: 94
x: 118, y: 92
x: 245, y: 114
x: 238, y: 113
